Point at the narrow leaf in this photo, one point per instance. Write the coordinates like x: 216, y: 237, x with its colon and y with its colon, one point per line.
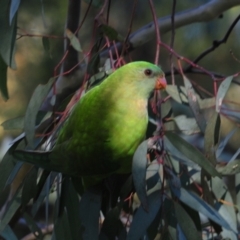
x: 179, y: 94
x: 192, y: 153
x: 7, y: 35
x: 29, y: 186
x: 186, y: 223
x: 13, y: 124
x: 13, y: 9
x: 142, y: 218
x: 194, y: 105
x: 11, y: 209
x: 32, y: 110
x: 6, y: 166
x: 224, y: 142
x: 209, y: 137
x: 3, y: 79
x: 73, y: 40
x: 8, y: 233
x: 222, y: 90
x: 231, y: 168
x: 90, y: 206
x: 139, y: 167
x: 111, y: 33
x: 62, y: 229
x: 197, y: 203
x: 186, y: 125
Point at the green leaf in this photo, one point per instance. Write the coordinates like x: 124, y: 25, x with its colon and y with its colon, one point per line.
x: 139, y: 168
x: 90, y: 206
x: 32, y: 110
x: 186, y: 223
x: 61, y: 227
x: 8, y: 233
x: 29, y: 186
x: 112, y: 224
x: 11, y: 209
x: 6, y: 166
x: 111, y: 33
x: 210, y: 135
x: 142, y: 218
x: 177, y: 93
x: 3, y: 79
x: 222, y: 90
x: 44, y: 192
x: 186, y: 125
x: 73, y: 40
x: 7, y: 34
x: 231, y: 168
x: 70, y: 200
x: 13, y: 9
x: 198, y: 204
x: 194, y: 104
x: 192, y: 153
x: 227, y: 211
x: 13, y: 124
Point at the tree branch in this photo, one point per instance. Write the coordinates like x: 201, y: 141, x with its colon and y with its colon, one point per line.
x: 203, y: 13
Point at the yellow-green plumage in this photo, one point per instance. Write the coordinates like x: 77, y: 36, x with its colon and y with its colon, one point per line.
x: 106, y: 126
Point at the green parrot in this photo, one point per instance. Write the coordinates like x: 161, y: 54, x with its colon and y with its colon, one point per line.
x: 104, y: 128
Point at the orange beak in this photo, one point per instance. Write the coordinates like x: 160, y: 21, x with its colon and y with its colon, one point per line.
x: 161, y: 83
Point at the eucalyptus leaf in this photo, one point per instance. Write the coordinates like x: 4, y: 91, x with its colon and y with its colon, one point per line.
x: 13, y: 9
x: 11, y: 209
x: 222, y: 90
x: 139, y: 167
x: 7, y: 35
x: 13, y: 124
x: 209, y: 137
x: 111, y: 33
x: 142, y: 218
x: 73, y: 40
x: 224, y: 142
x: 186, y: 125
x: 194, y: 104
x: 197, y: 203
x: 192, y: 153
x: 179, y: 94
x: 61, y: 227
x: 3, y: 79
x: 90, y: 206
x: 8, y: 233
x: 32, y: 110
x: 186, y: 223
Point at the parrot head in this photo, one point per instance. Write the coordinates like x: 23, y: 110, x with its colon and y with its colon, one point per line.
x: 143, y: 77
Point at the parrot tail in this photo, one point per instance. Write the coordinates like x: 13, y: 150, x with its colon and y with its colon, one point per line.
x: 38, y: 158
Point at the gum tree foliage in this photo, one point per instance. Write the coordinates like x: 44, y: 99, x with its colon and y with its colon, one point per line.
x: 189, y: 188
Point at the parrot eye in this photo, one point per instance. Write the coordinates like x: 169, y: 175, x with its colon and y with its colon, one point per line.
x: 148, y: 72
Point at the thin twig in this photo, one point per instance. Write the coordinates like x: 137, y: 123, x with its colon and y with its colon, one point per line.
x: 129, y: 29
x: 158, y: 38
x: 215, y: 44
x: 172, y: 40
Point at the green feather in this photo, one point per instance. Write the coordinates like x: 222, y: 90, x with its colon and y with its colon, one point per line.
x: 105, y: 127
